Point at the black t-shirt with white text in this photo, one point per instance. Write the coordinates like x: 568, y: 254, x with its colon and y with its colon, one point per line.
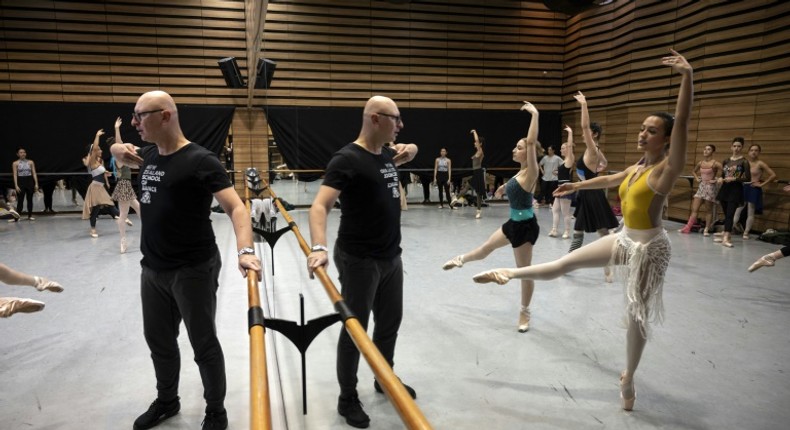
x: 369, y: 201
x: 176, y: 193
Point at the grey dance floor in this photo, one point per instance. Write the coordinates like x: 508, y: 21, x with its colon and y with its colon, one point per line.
x: 720, y: 360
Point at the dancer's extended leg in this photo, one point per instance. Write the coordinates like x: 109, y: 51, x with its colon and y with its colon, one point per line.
x: 497, y: 240
x: 595, y: 254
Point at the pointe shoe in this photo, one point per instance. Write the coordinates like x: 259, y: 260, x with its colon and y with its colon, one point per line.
x: 128, y: 222
x: 728, y: 244
x: 478, y: 215
x: 457, y: 261
x: 123, y: 245
x: 765, y: 260
x: 43, y: 284
x: 628, y: 404
x: 705, y: 233
x: 496, y: 275
x: 12, y: 305
x: 553, y: 232
x: 746, y: 236
x: 717, y: 239
x: 523, y: 319
x: 565, y: 235
x: 94, y: 234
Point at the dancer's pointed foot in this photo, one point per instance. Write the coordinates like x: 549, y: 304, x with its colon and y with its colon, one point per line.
x: 123, y: 245
x: 45, y: 284
x: 94, y: 234
x: 478, y: 214
x: 765, y: 260
x: 553, y: 232
x: 500, y: 276
x: 128, y: 222
x: 523, y: 319
x: 627, y: 392
x: 457, y: 261
x: 12, y: 305
x: 706, y: 233
x: 566, y: 235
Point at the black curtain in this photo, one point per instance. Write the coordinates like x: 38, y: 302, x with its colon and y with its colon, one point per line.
x: 307, y: 137
x: 57, y: 135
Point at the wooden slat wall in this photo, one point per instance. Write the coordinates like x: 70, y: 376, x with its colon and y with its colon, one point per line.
x: 440, y: 54
x: 741, y: 55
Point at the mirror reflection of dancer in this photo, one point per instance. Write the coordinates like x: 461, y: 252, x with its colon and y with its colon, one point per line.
x: 521, y: 229
x: 642, y: 248
x: 442, y: 172
x: 97, y: 200
x: 753, y: 191
x: 478, y: 178
x: 593, y: 213
x: 124, y: 192
x: 12, y: 305
x: 705, y: 173
x: 735, y: 172
x: 564, y: 175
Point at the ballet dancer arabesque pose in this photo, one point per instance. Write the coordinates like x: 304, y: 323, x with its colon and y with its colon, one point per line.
x: 705, y: 173
x: 521, y: 230
x: 641, y: 249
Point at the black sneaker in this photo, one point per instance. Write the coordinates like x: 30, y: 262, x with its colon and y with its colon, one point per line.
x: 351, y: 408
x: 410, y: 390
x: 156, y: 413
x: 215, y: 421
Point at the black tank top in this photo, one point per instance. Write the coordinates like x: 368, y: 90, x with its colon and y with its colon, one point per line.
x: 563, y: 174
x: 588, y: 174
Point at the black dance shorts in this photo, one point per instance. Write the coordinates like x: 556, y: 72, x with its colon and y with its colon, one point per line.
x: 521, y: 232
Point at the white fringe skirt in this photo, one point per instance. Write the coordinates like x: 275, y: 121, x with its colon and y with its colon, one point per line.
x: 640, y: 260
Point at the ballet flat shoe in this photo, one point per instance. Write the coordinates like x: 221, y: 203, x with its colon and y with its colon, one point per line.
x: 553, y: 232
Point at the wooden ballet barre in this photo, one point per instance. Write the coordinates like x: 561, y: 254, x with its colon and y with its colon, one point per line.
x: 260, y: 409
x: 408, y: 410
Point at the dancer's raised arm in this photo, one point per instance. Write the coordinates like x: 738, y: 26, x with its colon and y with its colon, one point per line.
x: 676, y: 159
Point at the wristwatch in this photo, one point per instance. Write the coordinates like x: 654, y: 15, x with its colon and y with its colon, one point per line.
x: 246, y: 250
x: 316, y: 248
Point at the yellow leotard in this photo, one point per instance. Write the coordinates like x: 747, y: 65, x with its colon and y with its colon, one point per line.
x: 640, y: 204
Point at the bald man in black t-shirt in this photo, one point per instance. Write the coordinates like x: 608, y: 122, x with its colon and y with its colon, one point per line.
x: 367, y: 252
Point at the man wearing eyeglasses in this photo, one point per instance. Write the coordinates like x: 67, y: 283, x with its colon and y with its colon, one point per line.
x: 367, y: 252
x: 181, y: 261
